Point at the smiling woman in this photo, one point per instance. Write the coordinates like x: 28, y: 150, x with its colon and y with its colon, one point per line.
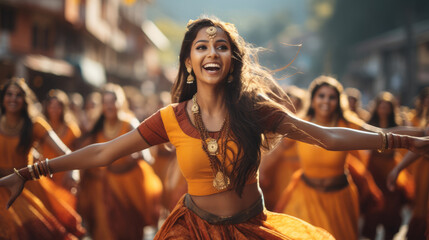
x: 42, y: 212
x: 210, y: 57
x: 322, y: 192
x: 224, y: 110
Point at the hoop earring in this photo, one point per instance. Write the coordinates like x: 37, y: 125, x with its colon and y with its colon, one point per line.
x: 190, y: 78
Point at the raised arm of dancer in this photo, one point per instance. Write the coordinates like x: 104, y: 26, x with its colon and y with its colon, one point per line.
x: 408, y: 159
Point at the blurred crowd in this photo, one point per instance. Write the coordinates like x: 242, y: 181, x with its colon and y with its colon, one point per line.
x: 144, y: 187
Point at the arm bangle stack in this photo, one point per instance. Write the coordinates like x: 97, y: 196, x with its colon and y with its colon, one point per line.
x: 35, y: 171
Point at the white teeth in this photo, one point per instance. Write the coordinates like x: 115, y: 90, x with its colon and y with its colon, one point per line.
x: 211, y: 65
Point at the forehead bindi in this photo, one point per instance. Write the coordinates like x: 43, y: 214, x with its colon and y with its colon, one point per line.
x: 211, y: 33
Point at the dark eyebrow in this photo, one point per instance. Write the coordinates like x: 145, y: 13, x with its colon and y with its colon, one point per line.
x: 203, y: 40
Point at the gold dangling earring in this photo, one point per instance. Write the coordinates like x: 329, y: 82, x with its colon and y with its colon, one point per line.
x: 230, y: 77
x: 190, y: 78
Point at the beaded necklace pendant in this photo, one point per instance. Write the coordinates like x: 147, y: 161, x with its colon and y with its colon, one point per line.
x: 220, y: 181
x: 212, y: 146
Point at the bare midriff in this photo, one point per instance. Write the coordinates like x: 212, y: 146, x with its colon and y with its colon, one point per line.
x: 228, y: 203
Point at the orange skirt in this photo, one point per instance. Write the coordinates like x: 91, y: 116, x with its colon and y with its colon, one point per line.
x: 57, y: 201
x: 183, y: 223
x: 107, y: 199
x: 336, y: 211
x: 28, y: 218
x: 280, y: 175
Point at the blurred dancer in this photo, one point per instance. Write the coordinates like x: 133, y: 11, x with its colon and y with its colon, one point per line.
x: 57, y: 112
x: 278, y: 165
x: 117, y: 201
x: 39, y: 213
x: 355, y: 104
x: 91, y: 111
x: 323, y: 192
x: 420, y: 170
x: 385, y: 115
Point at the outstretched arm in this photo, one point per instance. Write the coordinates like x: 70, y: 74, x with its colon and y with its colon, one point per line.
x: 95, y: 155
x: 346, y: 139
x: 100, y: 154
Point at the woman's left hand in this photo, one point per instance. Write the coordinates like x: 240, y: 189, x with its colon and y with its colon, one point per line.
x: 14, y: 184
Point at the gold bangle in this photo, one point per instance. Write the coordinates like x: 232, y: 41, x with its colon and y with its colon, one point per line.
x: 19, y: 174
x: 390, y: 140
x: 30, y: 169
x: 384, y: 141
x: 36, y: 168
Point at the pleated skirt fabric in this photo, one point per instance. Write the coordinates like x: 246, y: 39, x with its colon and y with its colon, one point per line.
x: 183, y: 223
x: 335, y: 211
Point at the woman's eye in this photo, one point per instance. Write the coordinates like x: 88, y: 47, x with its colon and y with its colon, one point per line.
x: 201, y: 47
x: 223, y: 47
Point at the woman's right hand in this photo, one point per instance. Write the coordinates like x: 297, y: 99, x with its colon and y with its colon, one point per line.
x: 14, y: 184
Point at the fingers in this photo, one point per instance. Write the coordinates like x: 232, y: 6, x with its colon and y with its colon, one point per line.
x: 11, y: 200
x: 391, y: 181
x: 391, y: 186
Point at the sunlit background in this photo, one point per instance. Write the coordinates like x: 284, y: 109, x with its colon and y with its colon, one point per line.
x: 77, y: 45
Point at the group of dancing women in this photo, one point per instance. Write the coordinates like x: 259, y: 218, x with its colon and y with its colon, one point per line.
x: 232, y: 156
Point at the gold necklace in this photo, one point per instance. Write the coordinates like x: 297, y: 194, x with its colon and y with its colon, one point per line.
x: 221, y: 180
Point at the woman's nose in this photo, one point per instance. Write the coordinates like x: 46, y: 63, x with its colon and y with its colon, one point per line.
x: 212, y: 52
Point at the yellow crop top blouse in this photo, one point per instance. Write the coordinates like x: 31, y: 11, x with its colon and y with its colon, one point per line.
x: 172, y: 124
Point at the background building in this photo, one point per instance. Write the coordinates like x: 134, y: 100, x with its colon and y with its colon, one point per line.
x: 78, y: 45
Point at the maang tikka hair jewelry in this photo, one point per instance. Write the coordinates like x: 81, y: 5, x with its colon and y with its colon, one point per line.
x: 211, y: 32
x: 221, y: 180
x: 190, y: 79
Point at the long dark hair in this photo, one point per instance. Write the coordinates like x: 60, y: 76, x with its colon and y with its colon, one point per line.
x: 252, y: 98
x: 123, y: 108
x: 393, y: 120
x: 62, y: 98
x: 26, y: 134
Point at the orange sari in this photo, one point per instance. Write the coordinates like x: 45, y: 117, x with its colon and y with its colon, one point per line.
x: 420, y: 216
x: 280, y: 174
x: 119, y: 200
x: 336, y: 211
x: 37, y: 213
x: 68, y: 134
